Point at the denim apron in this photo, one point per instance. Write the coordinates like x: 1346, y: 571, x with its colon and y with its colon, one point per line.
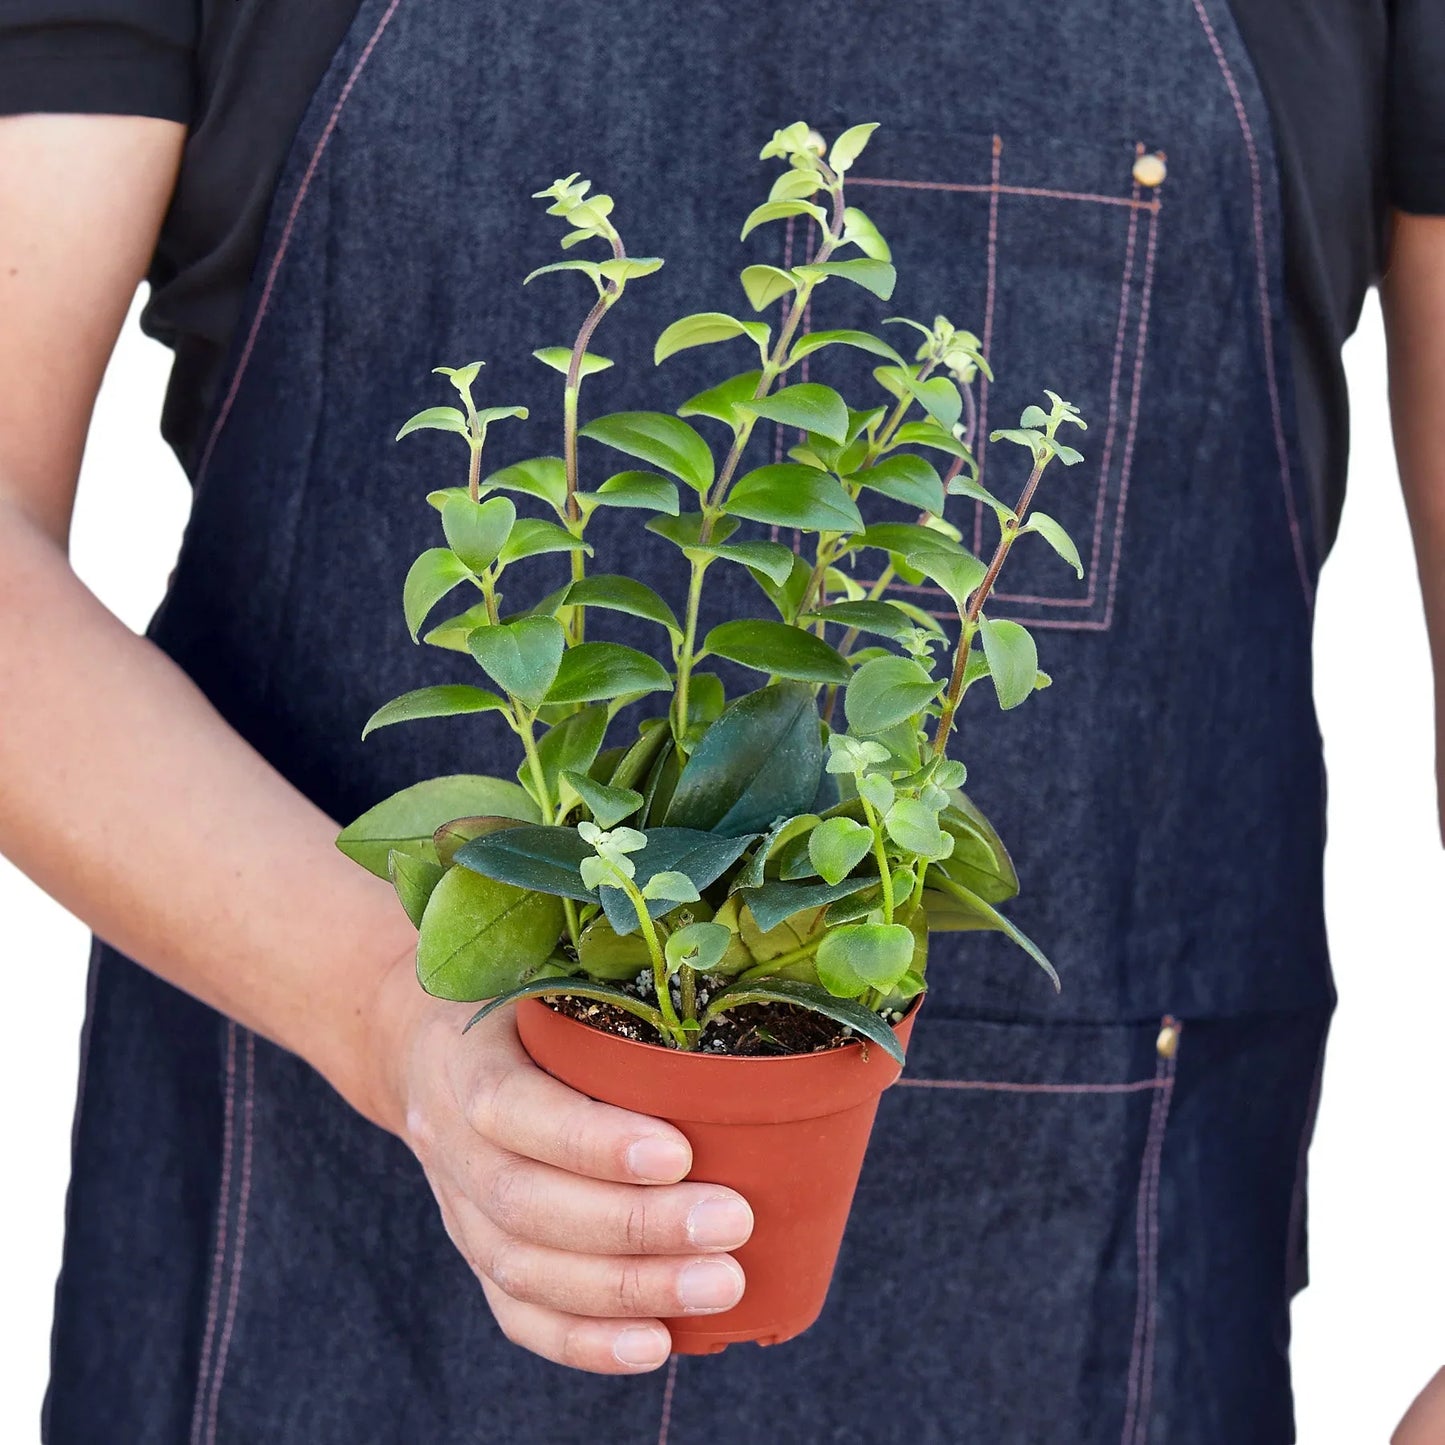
x: 1081, y: 1220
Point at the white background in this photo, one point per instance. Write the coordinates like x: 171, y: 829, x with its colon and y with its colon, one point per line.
x: 1371, y: 1328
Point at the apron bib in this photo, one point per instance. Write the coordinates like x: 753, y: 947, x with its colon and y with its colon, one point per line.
x: 1064, y: 1233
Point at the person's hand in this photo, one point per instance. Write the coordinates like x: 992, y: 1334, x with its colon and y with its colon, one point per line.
x: 1424, y: 1422
x: 568, y: 1211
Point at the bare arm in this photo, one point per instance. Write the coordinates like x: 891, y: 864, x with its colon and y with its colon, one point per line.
x: 126, y: 796
x: 1414, y: 301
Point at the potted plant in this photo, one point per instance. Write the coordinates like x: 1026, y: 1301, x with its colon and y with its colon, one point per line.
x: 722, y: 918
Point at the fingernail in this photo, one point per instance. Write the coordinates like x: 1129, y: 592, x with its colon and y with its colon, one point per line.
x: 719, y: 1223
x: 658, y: 1160
x: 710, y: 1284
x: 639, y: 1345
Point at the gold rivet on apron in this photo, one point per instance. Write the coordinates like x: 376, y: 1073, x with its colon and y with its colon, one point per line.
x: 1150, y: 170
x: 1168, y: 1040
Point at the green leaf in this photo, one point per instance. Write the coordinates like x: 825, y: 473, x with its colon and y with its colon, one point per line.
x: 772, y: 559
x: 759, y: 761
x: 447, y: 700
x: 1057, y: 538
x: 699, y: 946
x: 706, y: 328
x: 928, y: 434
x: 644, y: 490
x: 572, y: 744
x: 592, y: 671
x: 545, y: 858
x: 628, y: 268
x: 783, y: 832
x: 862, y: 340
x: 967, y: 487
x: 622, y: 594
x: 780, y: 211
x: 561, y: 986
x: 521, y: 657
x: 777, y: 648
x: 428, y: 580
x: 462, y: 377
x: 864, y: 955
x: 904, y: 538
x: 721, y: 401
x: 435, y: 418
x: 882, y: 618
x: 664, y: 441
x: 774, y: 902
x: 858, y: 228
x: 1013, y: 660
x: 406, y: 821
x: 906, y: 479
x: 703, y: 857
x: 591, y: 269
x: 542, y: 477
x: 766, y: 284
x: 940, y: 398
x: 479, y: 937
x: 808, y: 406
x: 559, y: 358
x: 414, y: 879
x: 638, y: 760
x: 607, y: 805
x: 603, y: 954
x: 849, y: 146
x: 788, y: 495
x: 876, y: 276
x: 837, y: 846
x: 796, y: 183
x: 863, y: 1021
x: 457, y: 833
x: 886, y: 691
x: 913, y: 825
x: 476, y: 531
x: 673, y: 887
x: 999, y: 922
x: 979, y: 859
x: 958, y: 573
x: 531, y: 537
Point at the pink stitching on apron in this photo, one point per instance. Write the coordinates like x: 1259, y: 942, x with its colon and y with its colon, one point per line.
x: 242, y: 1209
x: 1141, y: 1362
x: 218, y: 1258
x: 1266, y: 320
x: 978, y: 188
x: 981, y: 452
x: 666, y: 1422
x: 284, y: 244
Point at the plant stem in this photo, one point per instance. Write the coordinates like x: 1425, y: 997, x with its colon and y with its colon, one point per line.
x: 474, y: 470
x: 688, y: 647
x: 681, y: 1036
x: 771, y: 966
x: 880, y: 854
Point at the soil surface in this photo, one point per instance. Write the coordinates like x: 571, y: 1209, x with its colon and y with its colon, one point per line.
x: 750, y: 1031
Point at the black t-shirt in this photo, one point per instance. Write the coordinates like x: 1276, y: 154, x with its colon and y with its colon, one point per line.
x: 1356, y: 90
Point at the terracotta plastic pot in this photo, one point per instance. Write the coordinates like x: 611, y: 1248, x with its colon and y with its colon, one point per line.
x: 789, y: 1134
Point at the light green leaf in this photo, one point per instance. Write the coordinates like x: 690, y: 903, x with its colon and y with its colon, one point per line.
x: 407, y: 821
x: 967, y: 487
x: 447, y: 700
x: 808, y: 406
x: 858, y: 228
x: 572, y: 744
x: 559, y: 358
x: 479, y: 937
x: 836, y: 847
x: 861, y: 340
x: 664, y: 441
x: 706, y: 328
x: 721, y: 401
x: 849, y: 146
x: 699, y: 946
x: 913, y: 825
x: 904, y: 538
x: 766, y: 284
x: 521, y: 657
x: 864, y: 955
x: 542, y: 477
x: 772, y: 559
x: 958, y: 573
x: 622, y: 594
x: 591, y: 269
x: 1013, y: 660
x: 1057, y: 538
x: 415, y: 879
x: 595, y: 670
x: 796, y: 183
x: 644, y: 490
x: 429, y: 579
x: 778, y: 649
x: 435, y: 418
x: 878, y: 790
x: 531, y: 537
x: 928, y: 434
x: 780, y: 211
x: 906, y: 479
x: 607, y: 805
x: 789, y: 495
x: 886, y: 691
x: 673, y: 887
x: 477, y: 531
x: 879, y: 277
x: 628, y: 268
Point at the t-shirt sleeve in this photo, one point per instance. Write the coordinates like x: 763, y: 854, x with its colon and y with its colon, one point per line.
x: 1416, y: 127
x: 98, y: 57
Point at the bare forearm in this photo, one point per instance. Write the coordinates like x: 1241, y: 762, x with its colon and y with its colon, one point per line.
x: 1414, y: 297
x: 127, y: 797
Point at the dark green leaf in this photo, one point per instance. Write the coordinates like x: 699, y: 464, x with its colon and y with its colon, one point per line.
x: 778, y: 649
x: 774, y: 902
x: 429, y: 579
x: 902, y: 538
x: 531, y: 537
x: 808, y: 406
x: 543, y: 858
x: 447, y: 700
x: 862, y: 340
x: 608, y: 806
x: 1003, y: 925
x: 414, y: 879
x: 721, y: 402
x: 565, y: 987
x: 622, y: 594
x: 460, y: 831
x: 882, y: 618
x: 703, y: 857
x: 521, y: 657
x: 407, y: 820
x: 595, y: 670
x: 788, y: 495
x: 929, y: 434
x: 572, y: 743
x: 664, y: 441
x: 906, y: 479
x: 775, y: 561
x: 887, y: 691
x: 644, y: 490
x: 1013, y: 660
